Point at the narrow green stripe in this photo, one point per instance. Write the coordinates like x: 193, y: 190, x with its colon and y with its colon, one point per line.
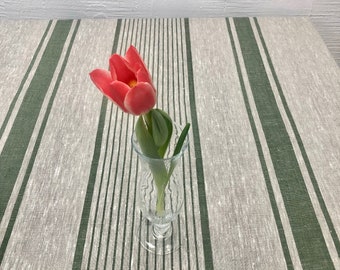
x: 107, y: 189
x: 59, y: 34
x: 269, y: 186
x: 98, y: 198
x: 114, y: 188
x: 306, y: 230
x: 139, y: 232
x: 24, y: 79
x: 127, y: 207
x: 121, y: 151
x: 168, y: 61
x: 20, y: 134
x: 189, y: 155
x: 176, y: 100
x: 78, y: 256
x: 117, y: 159
x: 130, y: 182
x: 208, y: 258
x: 135, y: 178
x: 121, y: 180
x: 301, y: 146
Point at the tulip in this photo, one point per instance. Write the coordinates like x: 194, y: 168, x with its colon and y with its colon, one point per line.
x: 128, y: 83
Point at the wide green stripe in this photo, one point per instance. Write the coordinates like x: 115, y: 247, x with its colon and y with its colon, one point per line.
x: 61, y: 32
x: 78, y: 256
x: 20, y: 134
x: 306, y: 230
x: 301, y: 146
x: 264, y: 167
x: 208, y: 258
x: 24, y: 79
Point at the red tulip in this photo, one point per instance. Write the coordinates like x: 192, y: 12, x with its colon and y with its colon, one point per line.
x: 128, y: 83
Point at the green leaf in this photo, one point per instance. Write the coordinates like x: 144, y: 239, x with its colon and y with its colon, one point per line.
x: 159, y: 128
x: 181, y: 139
x: 164, y: 147
x: 145, y: 139
x: 178, y: 147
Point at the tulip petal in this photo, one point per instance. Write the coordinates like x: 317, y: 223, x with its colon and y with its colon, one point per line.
x: 102, y: 79
x: 137, y: 64
x: 140, y: 99
x: 143, y: 76
x: 121, y: 70
x: 117, y: 93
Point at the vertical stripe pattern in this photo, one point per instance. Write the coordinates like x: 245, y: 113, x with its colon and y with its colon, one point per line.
x: 199, y: 163
x: 304, y: 224
x: 261, y: 156
x: 25, y: 121
x: 303, y: 150
x: 260, y: 175
x: 114, y: 216
x: 28, y: 113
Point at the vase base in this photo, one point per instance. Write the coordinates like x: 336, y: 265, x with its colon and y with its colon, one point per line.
x: 170, y: 242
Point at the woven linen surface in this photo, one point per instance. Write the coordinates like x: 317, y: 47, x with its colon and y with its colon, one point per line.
x: 262, y: 173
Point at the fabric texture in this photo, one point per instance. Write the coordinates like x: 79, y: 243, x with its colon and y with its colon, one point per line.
x: 261, y: 177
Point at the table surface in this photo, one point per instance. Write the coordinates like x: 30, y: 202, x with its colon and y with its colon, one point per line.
x: 262, y: 172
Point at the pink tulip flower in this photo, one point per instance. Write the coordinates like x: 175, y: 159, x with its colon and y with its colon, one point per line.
x: 128, y: 83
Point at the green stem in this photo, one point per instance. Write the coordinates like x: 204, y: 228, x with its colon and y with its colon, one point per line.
x: 161, y: 178
x: 160, y: 206
x: 153, y: 132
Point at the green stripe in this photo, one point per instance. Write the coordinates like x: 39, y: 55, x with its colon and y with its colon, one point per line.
x: 122, y: 180
x: 78, y: 256
x: 269, y: 186
x: 306, y: 230
x: 20, y: 134
x: 301, y: 146
x: 176, y: 89
x: 130, y: 182
x: 133, y: 180
x: 208, y: 258
x: 100, y: 187
x: 50, y: 59
x: 24, y: 79
x: 189, y: 156
x: 115, y: 181
x: 117, y: 167
x: 128, y: 206
x: 121, y: 154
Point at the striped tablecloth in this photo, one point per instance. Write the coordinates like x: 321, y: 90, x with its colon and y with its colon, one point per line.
x: 262, y: 174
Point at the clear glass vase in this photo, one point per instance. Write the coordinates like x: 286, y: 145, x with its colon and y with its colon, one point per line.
x: 160, y: 197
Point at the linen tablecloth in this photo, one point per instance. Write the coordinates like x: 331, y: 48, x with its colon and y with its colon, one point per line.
x: 262, y: 173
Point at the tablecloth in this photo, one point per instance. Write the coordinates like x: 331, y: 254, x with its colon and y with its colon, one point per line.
x: 262, y: 172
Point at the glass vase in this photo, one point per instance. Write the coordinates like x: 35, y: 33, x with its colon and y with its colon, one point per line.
x: 160, y: 197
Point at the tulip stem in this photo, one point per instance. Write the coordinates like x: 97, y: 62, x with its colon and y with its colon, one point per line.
x: 160, y: 204
x: 161, y: 178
